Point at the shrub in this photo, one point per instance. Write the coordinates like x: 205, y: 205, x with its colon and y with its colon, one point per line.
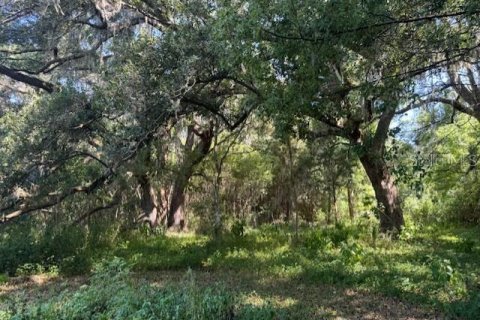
x: 315, y: 240
x: 238, y: 228
x: 76, y: 265
x: 3, y: 279
x: 27, y: 248
x: 265, y: 312
x: 351, y: 253
x: 29, y: 269
x: 441, y: 269
x: 112, y: 294
x: 466, y: 245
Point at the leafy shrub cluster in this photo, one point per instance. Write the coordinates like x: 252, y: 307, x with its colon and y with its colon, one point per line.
x: 28, y: 248
x: 332, y: 237
x: 114, y: 294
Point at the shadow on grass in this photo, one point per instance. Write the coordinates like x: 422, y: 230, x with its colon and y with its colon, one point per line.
x: 404, y: 269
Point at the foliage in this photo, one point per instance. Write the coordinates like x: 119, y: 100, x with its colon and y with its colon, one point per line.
x: 418, y: 267
x: 3, y: 278
x: 29, y: 249
x: 238, y: 228
x: 112, y: 294
x: 431, y: 267
x: 123, y: 121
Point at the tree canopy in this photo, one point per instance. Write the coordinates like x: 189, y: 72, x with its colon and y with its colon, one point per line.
x: 103, y: 100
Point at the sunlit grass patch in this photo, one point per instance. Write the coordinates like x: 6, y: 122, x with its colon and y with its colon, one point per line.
x: 432, y: 267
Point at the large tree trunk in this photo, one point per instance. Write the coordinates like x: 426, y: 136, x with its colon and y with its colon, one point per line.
x: 386, y: 192
x: 193, y: 156
x: 372, y: 159
x: 176, y: 212
x: 148, y: 203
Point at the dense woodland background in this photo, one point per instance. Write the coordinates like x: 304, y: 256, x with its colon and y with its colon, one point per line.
x: 319, y: 142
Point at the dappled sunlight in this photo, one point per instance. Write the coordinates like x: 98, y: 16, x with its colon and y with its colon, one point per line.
x: 239, y: 160
x: 265, y: 265
x: 23, y: 282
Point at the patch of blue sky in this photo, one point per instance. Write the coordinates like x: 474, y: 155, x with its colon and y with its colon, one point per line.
x: 435, y: 82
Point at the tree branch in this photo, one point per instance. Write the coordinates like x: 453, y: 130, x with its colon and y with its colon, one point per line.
x: 56, y: 199
x: 372, y: 26
x: 30, y: 80
x: 88, y: 214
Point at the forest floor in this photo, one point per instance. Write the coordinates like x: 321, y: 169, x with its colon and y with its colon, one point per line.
x: 347, y: 273
x: 298, y: 299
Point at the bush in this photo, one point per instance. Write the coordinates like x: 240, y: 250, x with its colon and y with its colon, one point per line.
x: 112, y: 294
x: 266, y: 312
x: 29, y: 269
x: 3, y: 279
x: 18, y: 246
x: 315, y: 240
x: 26, y: 248
x: 238, y: 228
x: 75, y: 265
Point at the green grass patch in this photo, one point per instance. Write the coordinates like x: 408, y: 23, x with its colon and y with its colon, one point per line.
x: 436, y: 267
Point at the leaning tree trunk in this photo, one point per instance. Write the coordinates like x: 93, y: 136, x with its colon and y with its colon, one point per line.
x: 372, y: 159
x: 193, y: 156
x: 386, y: 193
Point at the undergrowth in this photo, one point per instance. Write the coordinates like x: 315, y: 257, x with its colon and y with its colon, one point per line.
x: 112, y: 294
x: 431, y: 266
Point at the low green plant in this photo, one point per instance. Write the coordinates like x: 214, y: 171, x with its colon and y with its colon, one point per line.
x: 352, y: 253
x: 26, y: 248
x: 264, y: 312
x: 238, y: 228
x: 75, y: 265
x: 5, y: 315
x: 3, y: 278
x: 112, y: 294
x: 29, y: 269
x: 314, y: 241
x: 466, y: 245
x: 441, y: 269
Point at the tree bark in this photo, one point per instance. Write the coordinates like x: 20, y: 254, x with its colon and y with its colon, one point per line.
x: 193, y: 156
x: 217, y: 202
x: 386, y: 193
x: 351, y: 200
x: 292, y: 192
x: 372, y: 159
x: 329, y: 209
x: 176, y: 215
x: 149, y: 202
x: 334, y: 206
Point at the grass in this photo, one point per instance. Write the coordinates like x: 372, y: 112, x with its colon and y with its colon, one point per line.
x: 326, y: 272
x: 434, y: 267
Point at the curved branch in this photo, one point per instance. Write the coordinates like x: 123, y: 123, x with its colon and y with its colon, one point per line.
x: 30, y: 80
x: 87, y: 189
x: 88, y: 214
x: 375, y: 25
x: 455, y: 104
